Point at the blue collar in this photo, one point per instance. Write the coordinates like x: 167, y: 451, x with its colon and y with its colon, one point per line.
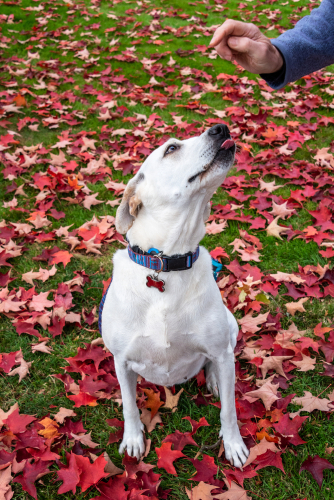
x: 155, y: 260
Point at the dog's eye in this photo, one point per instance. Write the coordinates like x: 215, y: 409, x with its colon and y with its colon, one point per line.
x: 171, y: 149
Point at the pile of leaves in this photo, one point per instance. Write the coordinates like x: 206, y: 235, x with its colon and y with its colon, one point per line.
x: 88, y: 90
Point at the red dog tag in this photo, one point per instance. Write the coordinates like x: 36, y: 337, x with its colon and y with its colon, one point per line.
x: 153, y: 282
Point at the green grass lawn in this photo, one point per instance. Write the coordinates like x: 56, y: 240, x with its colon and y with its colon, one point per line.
x: 39, y: 55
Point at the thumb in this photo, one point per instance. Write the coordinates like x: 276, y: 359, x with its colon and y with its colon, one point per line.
x: 242, y: 44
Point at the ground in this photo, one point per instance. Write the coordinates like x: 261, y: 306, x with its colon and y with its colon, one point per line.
x: 88, y: 90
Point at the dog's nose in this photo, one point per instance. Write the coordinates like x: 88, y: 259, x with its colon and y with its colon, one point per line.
x: 219, y: 130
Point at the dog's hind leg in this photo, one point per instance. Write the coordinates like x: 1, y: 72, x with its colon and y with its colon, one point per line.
x: 211, y: 380
x: 233, y: 326
x: 133, y: 440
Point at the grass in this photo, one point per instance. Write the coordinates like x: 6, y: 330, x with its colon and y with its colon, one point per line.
x: 40, y: 390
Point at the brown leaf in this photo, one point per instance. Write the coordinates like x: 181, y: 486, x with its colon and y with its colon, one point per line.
x: 275, y: 230
x: 62, y: 414
x: 6, y: 492
x: 310, y: 403
x: 171, y: 399
x: 293, y: 307
x: 306, y: 364
x: 267, y: 393
x: 148, y: 422
x: 110, y: 467
x: 273, y: 363
x: 249, y: 324
x: 42, y: 347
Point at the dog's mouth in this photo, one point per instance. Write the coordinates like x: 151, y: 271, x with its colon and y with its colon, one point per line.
x: 228, y: 145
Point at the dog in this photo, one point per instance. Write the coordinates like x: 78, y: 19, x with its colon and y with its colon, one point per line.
x: 168, y: 332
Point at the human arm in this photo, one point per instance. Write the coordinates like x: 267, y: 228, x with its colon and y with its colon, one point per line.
x: 307, y: 47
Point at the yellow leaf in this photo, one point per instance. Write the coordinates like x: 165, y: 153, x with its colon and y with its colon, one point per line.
x: 50, y: 430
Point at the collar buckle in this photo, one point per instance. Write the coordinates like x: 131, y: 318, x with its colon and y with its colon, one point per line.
x: 181, y: 263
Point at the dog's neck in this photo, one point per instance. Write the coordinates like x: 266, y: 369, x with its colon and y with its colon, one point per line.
x: 173, y: 230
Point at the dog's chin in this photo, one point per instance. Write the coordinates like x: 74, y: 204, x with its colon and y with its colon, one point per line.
x: 221, y: 164
x: 224, y: 158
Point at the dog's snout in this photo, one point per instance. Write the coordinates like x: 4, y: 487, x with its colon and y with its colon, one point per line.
x: 220, y: 130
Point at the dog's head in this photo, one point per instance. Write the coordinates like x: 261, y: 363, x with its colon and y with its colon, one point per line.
x: 177, y: 176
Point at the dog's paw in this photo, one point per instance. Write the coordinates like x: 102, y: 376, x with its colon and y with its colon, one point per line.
x: 236, y: 451
x: 211, y: 380
x: 133, y: 442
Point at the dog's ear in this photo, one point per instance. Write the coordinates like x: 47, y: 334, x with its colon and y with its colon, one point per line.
x: 207, y: 210
x: 129, y: 208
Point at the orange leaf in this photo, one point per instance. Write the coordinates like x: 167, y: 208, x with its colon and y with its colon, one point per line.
x: 20, y: 100
x: 74, y: 182
x: 153, y: 401
x: 264, y: 434
x: 62, y: 256
x: 83, y: 399
x: 50, y: 428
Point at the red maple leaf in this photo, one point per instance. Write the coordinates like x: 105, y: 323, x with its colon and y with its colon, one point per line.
x: 196, y: 425
x: 30, y: 473
x: 289, y: 428
x: 323, y: 217
x: 62, y: 256
x: 115, y: 436
x: 90, y: 474
x: 269, y: 458
x: 180, y: 439
x: 4, y: 257
x: 57, y: 326
x: 239, y: 475
x: 329, y: 371
x: 81, y: 472
x: 316, y: 465
x: 132, y: 466
x: 328, y: 347
x: 83, y: 399
x: 90, y: 352
x: 114, y: 488
x: 7, y: 361
x: 18, y: 423
x: 218, y: 252
x: 206, y: 469
x: 69, y: 475
x: 320, y: 330
x: 166, y: 457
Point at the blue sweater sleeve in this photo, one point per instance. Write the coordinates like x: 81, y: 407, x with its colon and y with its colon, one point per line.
x: 307, y: 47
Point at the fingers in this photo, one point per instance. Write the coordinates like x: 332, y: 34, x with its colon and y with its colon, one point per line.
x: 243, y: 44
x: 233, y: 28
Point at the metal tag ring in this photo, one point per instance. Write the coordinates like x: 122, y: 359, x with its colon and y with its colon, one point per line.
x: 159, y: 256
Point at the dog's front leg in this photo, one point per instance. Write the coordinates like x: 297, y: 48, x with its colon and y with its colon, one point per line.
x: 235, y: 449
x: 133, y: 440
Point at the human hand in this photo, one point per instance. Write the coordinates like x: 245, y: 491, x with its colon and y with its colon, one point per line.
x: 244, y: 43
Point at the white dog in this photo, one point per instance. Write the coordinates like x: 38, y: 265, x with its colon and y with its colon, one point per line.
x: 168, y: 337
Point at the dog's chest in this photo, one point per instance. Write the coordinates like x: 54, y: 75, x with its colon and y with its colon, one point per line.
x: 166, y: 350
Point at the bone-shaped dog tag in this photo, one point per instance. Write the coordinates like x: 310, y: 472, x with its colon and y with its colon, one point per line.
x: 151, y: 281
